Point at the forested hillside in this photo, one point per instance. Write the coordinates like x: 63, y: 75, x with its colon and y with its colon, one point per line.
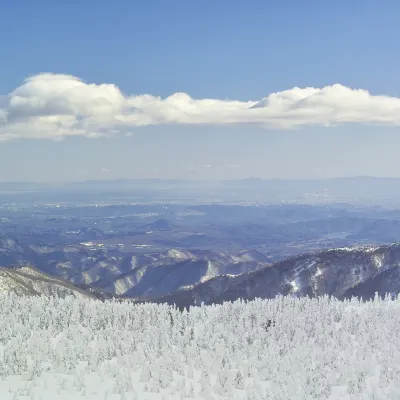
x: 281, y: 349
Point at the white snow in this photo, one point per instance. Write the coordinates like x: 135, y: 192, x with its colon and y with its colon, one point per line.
x: 178, y: 254
x: 294, y: 285
x: 71, y: 349
x: 318, y: 272
x: 378, y: 260
x: 366, y: 249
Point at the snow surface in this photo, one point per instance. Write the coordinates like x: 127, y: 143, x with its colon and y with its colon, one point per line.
x: 281, y: 349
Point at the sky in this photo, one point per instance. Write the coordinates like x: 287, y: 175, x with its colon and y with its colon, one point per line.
x: 198, y: 90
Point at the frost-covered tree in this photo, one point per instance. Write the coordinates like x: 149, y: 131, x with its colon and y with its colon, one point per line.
x: 230, y: 351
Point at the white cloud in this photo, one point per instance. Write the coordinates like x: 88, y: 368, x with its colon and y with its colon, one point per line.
x: 55, y: 106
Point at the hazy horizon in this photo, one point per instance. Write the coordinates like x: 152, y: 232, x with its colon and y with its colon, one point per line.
x: 249, y: 178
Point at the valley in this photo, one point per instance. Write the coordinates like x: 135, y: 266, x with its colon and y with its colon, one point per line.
x: 201, y: 252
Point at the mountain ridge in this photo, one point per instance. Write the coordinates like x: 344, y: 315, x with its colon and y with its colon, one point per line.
x: 28, y: 280
x: 345, y: 272
x: 359, y: 271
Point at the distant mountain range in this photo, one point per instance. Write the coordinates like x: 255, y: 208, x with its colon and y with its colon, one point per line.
x: 125, y: 274
x: 342, y: 273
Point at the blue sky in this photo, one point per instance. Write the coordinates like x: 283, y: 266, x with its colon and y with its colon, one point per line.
x: 225, y: 50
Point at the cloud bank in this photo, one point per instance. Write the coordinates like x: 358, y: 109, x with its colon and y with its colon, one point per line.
x: 54, y: 106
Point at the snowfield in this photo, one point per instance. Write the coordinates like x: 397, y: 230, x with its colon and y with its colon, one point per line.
x: 279, y: 349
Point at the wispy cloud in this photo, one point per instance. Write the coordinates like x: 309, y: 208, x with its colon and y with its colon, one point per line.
x: 55, y: 106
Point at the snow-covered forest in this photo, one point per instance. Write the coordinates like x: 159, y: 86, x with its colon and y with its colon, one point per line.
x: 280, y: 349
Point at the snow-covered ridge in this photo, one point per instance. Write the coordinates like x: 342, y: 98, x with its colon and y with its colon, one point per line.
x: 343, y: 272
x: 192, y: 277
x: 30, y: 281
x: 129, y: 274
x: 281, y: 349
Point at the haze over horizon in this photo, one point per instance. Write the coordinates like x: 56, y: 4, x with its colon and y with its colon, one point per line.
x: 187, y: 91
x: 172, y: 180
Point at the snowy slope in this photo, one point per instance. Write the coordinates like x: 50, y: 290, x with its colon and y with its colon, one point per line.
x: 177, y: 269
x: 128, y: 274
x: 191, y: 278
x: 347, y: 272
x: 282, y: 349
x: 30, y: 281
